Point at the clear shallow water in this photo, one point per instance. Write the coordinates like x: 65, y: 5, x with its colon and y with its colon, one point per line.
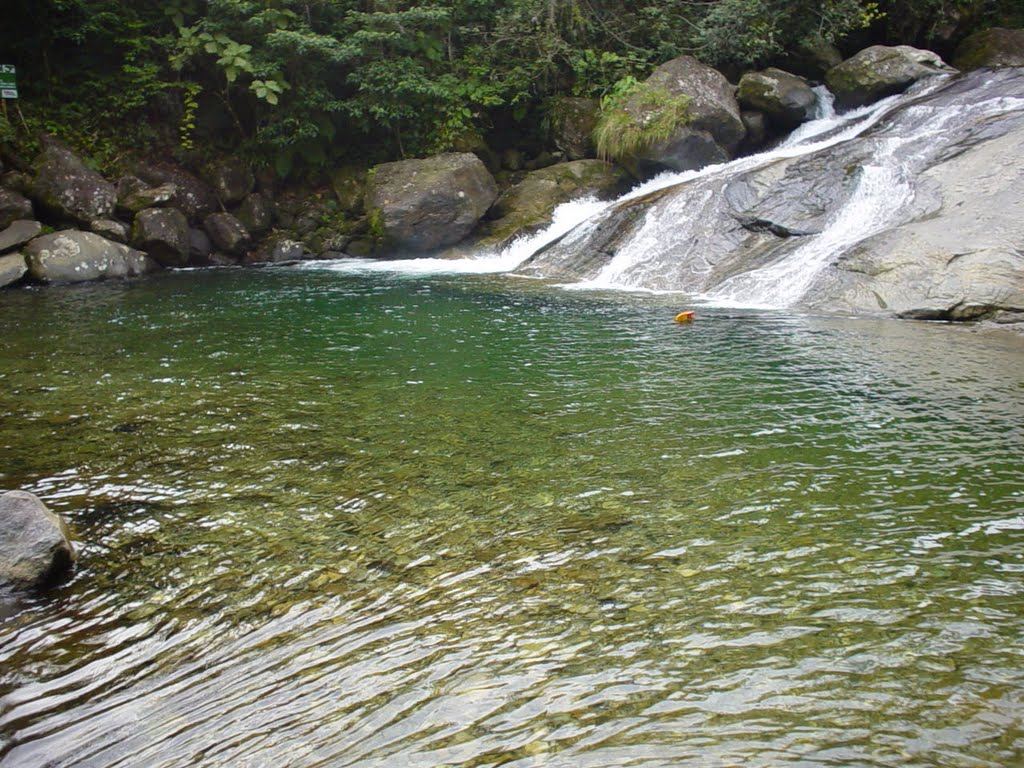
x: 362, y: 521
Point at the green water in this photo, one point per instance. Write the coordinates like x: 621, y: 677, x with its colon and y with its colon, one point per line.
x: 329, y: 520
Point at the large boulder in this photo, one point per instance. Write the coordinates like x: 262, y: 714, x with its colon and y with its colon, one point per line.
x: 148, y: 197
x: 231, y: 178
x: 256, y: 213
x: 785, y: 99
x: 277, y: 250
x: 227, y: 233
x: 349, y: 185
x: 712, y: 129
x: 67, y: 188
x: 193, y: 197
x: 110, y: 229
x: 35, y: 545
x: 74, y: 257
x: 163, y: 234
x: 994, y: 48
x: 423, y: 205
x: 881, y: 71
x: 12, y: 269
x: 528, y: 206
x: 812, y: 58
x: 19, y: 233
x: 13, y: 207
x: 573, y: 120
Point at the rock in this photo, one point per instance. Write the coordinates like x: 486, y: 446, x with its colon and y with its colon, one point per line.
x: 573, y: 120
x: 231, y: 178
x: 513, y: 160
x: 13, y: 207
x: 994, y: 48
x: 713, y: 128
x: 128, y: 185
x: 110, y: 229
x: 163, y: 234
x: 16, y: 181
x: 473, y: 142
x: 151, y: 197
x: 785, y: 99
x: 276, y: 251
x: 757, y: 130
x: 424, y: 205
x: 256, y: 213
x: 349, y: 185
x: 361, y: 248
x: 199, y: 247
x: 12, y: 269
x: 227, y: 233
x: 17, y: 234
x: 812, y: 58
x: 527, y: 207
x: 67, y: 188
x: 881, y: 71
x: 35, y: 544
x: 544, y: 160
x: 73, y: 257
x: 192, y: 197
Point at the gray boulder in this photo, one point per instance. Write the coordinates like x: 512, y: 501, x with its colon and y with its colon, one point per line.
x: 277, y: 251
x: 74, y: 257
x: 256, y: 213
x: 35, y: 545
x: 713, y: 128
x: 110, y: 229
x: 349, y: 185
x: 19, y: 233
x: 424, y: 205
x: 150, y: 197
x: 757, y: 129
x: 12, y: 269
x: 231, y: 178
x: 192, y: 197
x: 994, y: 48
x: 786, y: 100
x: 528, y: 206
x: 13, y: 207
x: 812, y: 58
x: 573, y: 120
x: 227, y: 233
x: 67, y: 188
x: 163, y: 234
x: 199, y: 247
x: 881, y: 71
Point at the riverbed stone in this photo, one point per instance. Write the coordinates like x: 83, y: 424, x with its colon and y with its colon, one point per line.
x: 424, y: 205
x: 881, y: 71
x: 277, y: 250
x: 256, y: 213
x: 993, y: 48
x: 72, y: 256
x: 12, y: 269
x: 13, y: 207
x: 787, y: 100
x: 35, y: 543
x: 67, y: 188
x: 193, y: 197
x: 17, y: 234
x: 163, y: 234
x: 149, y: 197
x: 110, y: 229
x: 227, y: 233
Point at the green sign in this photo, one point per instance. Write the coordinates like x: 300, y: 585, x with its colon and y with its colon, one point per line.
x: 8, y: 82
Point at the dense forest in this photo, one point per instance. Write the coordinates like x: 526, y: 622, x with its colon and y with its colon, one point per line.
x: 297, y: 84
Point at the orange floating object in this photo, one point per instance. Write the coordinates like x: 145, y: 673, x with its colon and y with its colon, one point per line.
x: 685, y: 317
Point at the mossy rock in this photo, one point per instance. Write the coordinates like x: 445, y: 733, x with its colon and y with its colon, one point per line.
x: 573, y: 120
x: 881, y: 71
x: 349, y: 185
x: 995, y: 47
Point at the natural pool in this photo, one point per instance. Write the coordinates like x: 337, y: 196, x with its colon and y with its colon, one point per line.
x: 335, y: 520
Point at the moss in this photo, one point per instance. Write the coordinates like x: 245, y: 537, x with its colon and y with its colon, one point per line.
x: 375, y: 224
x: 638, y: 118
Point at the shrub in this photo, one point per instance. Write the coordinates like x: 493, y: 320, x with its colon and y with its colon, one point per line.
x: 635, y: 116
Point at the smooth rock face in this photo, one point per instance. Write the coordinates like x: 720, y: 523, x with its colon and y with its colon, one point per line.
x: 70, y: 190
x: 714, y: 129
x: 787, y: 100
x: 19, y: 233
x: 232, y: 179
x: 163, y: 234
x: 12, y: 269
x: 573, y: 120
x: 74, y: 257
x: 13, y: 207
x: 256, y: 213
x: 35, y: 545
x: 881, y: 71
x: 193, y: 197
x: 994, y: 48
x: 227, y: 233
x: 527, y: 207
x: 423, y: 205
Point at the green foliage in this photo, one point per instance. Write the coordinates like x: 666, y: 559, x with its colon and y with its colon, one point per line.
x: 635, y: 116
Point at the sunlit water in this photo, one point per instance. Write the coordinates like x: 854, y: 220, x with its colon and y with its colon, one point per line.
x: 351, y: 520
